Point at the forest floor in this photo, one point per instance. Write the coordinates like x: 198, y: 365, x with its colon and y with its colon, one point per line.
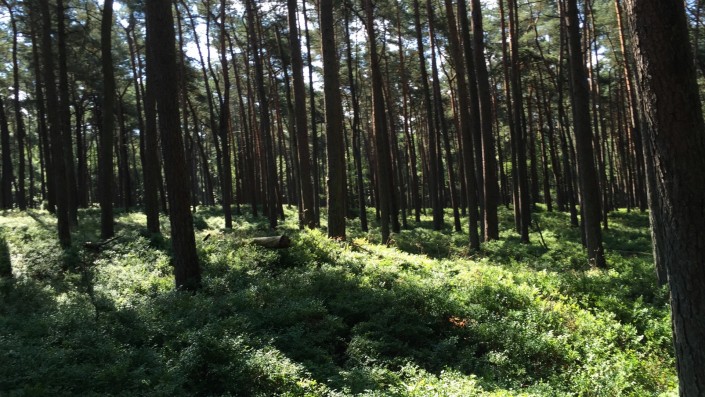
x: 325, y: 318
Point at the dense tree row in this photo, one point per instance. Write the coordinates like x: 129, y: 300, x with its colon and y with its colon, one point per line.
x: 400, y: 105
x: 522, y: 105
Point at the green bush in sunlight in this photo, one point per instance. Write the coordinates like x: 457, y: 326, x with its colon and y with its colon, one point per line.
x: 422, y: 317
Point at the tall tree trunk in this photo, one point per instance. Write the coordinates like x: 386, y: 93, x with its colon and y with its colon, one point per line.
x: 291, y: 157
x: 433, y: 177
x: 410, y: 149
x: 161, y: 42
x: 225, y: 127
x: 81, y: 166
x: 589, y: 187
x: 544, y: 157
x: 675, y: 148
x: 105, y: 157
x: 124, y: 159
x: 308, y: 205
x: 57, y: 154
x: 518, y: 140
x: 137, y: 86
x: 48, y: 194
x: 213, y: 125
x: 440, y: 122
x: 382, y: 147
x: 357, y: 134
x: 152, y: 169
x: 489, y: 162
x: 264, y: 128
x: 593, y: 66
x: 632, y: 102
x: 314, y: 125
x: 65, y: 115
x: 465, y: 125
x: 20, y: 132
x: 533, y: 161
x: 7, y: 174
x: 334, y: 124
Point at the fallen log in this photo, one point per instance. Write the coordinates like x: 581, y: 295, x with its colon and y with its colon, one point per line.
x: 97, y: 246
x: 275, y: 242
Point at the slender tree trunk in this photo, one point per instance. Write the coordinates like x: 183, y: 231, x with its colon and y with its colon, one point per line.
x: 190, y: 149
x: 20, y: 132
x: 544, y: 157
x: 411, y: 151
x: 632, y: 102
x: 563, y: 126
x: 519, y: 130
x: 466, y: 125
x: 489, y: 161
x: 533, y: 161
x: 589, y: 186
x: 123, y: 159
x: 82, y: 166
x: 48, y: 194
x: 225, y: 127
x: 315, y: 173
x: 161, y: 42
x: 7, y: 172
x: 382, y: 148
x: 440, y: 122
x: 214, y: 127
x: 394, y: 147
x: 433, y: 177
x: 265, y: 133
x: 334, y: 125
x: 357, y: 134
x: 293, y: 180
x: 57, y: 154
x: 65, y: 115
x: 152, y: 169
x: 308, y: 205
x: 593, y: 65
x: 105, y: 158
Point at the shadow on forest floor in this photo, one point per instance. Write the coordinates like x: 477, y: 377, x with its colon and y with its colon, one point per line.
x: 326, y: 317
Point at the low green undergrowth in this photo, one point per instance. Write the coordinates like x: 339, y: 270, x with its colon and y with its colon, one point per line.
x: 423, y: 317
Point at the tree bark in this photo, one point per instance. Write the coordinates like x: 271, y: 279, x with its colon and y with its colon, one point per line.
x: 65, y: 116
x: 275, y: 242
x: 357, y: 134
x: 152, y: 169
x: 518, y: 139
x: 382, y: 147
x: 265, y: 124
x: 105, y: 157
x: 587, y: 174
x: 7, y: 174
x: 334, y: 124
x: 161, y: 42
x: 20, y: 132
x: 308, y: 208
x: 224, y: 129
x: 675, y: 151
x: 489, y: 161
x: 315, y: 173
x: 433, y: 174
x: 465, y: 125
x: 410, y: 149
x: 57, y: 154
